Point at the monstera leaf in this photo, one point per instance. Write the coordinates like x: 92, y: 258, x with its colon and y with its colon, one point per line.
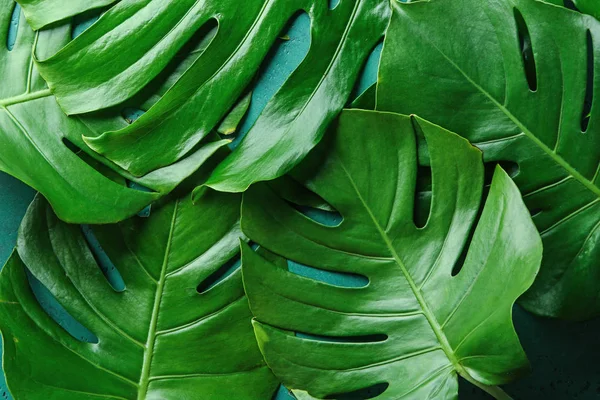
x: 177, y: 327
x: 45, y: 149
x: 518, y: 90
x: 424, y: 314
x: 591, y: 7
x: 41, y: 13
x: 94, y: 72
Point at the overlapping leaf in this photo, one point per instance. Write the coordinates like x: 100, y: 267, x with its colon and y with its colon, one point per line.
x: 179, y: 329
x: 417, y: 323
x: 44, y: 148
x: 136, y: 39
x: 524, y: 88
x: 591, y: 7
x: 41, y: 13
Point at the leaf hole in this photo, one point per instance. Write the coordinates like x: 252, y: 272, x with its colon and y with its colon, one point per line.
x: 526, y: 50
x: 374, y: 338
x: 368, y: 75
x: 333, y: 4
x: 362, y: 394
x: 282, y: 60
x: 334, y: 278
x: 13, y: 27
x: 58, y: 313
x: 589, y: 89
x: 220, y: 274
x: 111, y: 273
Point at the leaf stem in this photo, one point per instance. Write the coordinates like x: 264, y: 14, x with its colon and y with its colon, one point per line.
x: 495, y: 391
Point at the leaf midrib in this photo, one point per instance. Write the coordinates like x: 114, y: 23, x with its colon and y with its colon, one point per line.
x: 152, y: 330
x: 557, y: 158
x: 24, y: 98
x: 28, y: 95
x: 433, y: 322
x: 495, y: 391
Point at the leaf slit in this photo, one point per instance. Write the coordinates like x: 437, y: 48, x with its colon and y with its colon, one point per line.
x: 111, y: 273
x: 220, y: 274
x: 526, y: 50
x: 334, y: 278
x: 333, y: 4
x: 364, y: 394
x: 13, y: 27
x: 423, y: 195
x: 589, y: 89
x: 373, y: 338
x: 282, y: 60
x: 58, y: 313
x: 570, y: 5
x: 322, y: 217
x: 368, y: 75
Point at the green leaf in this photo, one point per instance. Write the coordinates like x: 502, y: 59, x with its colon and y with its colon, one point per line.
x: 89, y: 74
x: 230, y: 123
x: 415, y: 325
x: 41, y: 13
x: 32, y: 128
x: 44, y: 148
x: 171, y: 333
x: 591, y: 7
x: 518, y: 90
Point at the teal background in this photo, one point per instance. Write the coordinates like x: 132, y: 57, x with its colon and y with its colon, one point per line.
x: 564, y: 355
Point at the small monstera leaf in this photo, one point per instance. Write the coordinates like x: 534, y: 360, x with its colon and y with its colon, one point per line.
x: 93, y: 72
x: 174, y: 329
x: 417, y: 323
x: 45, y: 149
x: 523, y: 90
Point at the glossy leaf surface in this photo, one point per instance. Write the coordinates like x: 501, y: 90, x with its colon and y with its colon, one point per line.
x: 525, y: 90
x: 415, y: 325
x: 33, y: 128
x: 41, y: 13
x: 44, y: 148
x: 174, y: 332
x: 88, y: 75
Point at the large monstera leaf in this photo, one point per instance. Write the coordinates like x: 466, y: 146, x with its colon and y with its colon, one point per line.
x: 416, y: 324
x: 33, y: 130
x: 179, y: 328
x: 94, y: 72
x: 523, y: 90
x: 45, y: 149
